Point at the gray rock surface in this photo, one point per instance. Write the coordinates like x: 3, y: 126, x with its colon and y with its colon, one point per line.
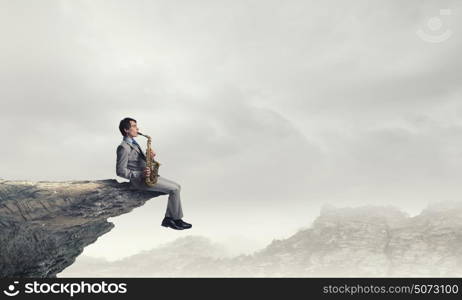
x: 45, y: 225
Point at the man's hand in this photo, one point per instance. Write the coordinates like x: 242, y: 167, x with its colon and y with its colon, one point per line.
x: 153, y: 154
x: 146, y: 172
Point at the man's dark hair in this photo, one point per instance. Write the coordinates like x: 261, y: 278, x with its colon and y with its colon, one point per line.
x: 125, y: 124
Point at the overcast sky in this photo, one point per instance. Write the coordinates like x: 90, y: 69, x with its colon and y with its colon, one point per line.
x: 261, y: 110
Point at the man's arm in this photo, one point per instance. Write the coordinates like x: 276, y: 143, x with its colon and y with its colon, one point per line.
x: 121, y: 166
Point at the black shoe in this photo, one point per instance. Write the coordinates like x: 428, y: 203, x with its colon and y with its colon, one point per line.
x: 183, y: 224
x: 169, y: 222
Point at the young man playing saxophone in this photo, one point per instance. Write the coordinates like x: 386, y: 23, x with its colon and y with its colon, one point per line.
x: 131, y: 164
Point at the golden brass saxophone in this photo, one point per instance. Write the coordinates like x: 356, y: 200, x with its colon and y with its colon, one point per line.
x: 152, y: 164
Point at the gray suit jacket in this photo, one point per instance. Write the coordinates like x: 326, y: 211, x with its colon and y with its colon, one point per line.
x: 130, y: 161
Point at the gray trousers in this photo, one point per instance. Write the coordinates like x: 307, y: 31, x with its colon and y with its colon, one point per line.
x: 165, y: 185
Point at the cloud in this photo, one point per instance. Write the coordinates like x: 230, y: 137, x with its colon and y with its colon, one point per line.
x: 263, y: 106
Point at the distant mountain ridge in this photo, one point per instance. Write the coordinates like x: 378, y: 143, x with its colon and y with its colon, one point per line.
x: 366, y: 241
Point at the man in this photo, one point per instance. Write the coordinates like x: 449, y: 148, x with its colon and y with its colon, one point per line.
x: 131, y: 164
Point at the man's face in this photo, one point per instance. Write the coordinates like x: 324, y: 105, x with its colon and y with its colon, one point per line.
x: 133, y: 131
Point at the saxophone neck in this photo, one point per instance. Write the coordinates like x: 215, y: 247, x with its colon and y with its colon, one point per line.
x: 146, y: 136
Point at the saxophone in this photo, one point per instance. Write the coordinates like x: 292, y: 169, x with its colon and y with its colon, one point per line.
x: 152, y: 164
